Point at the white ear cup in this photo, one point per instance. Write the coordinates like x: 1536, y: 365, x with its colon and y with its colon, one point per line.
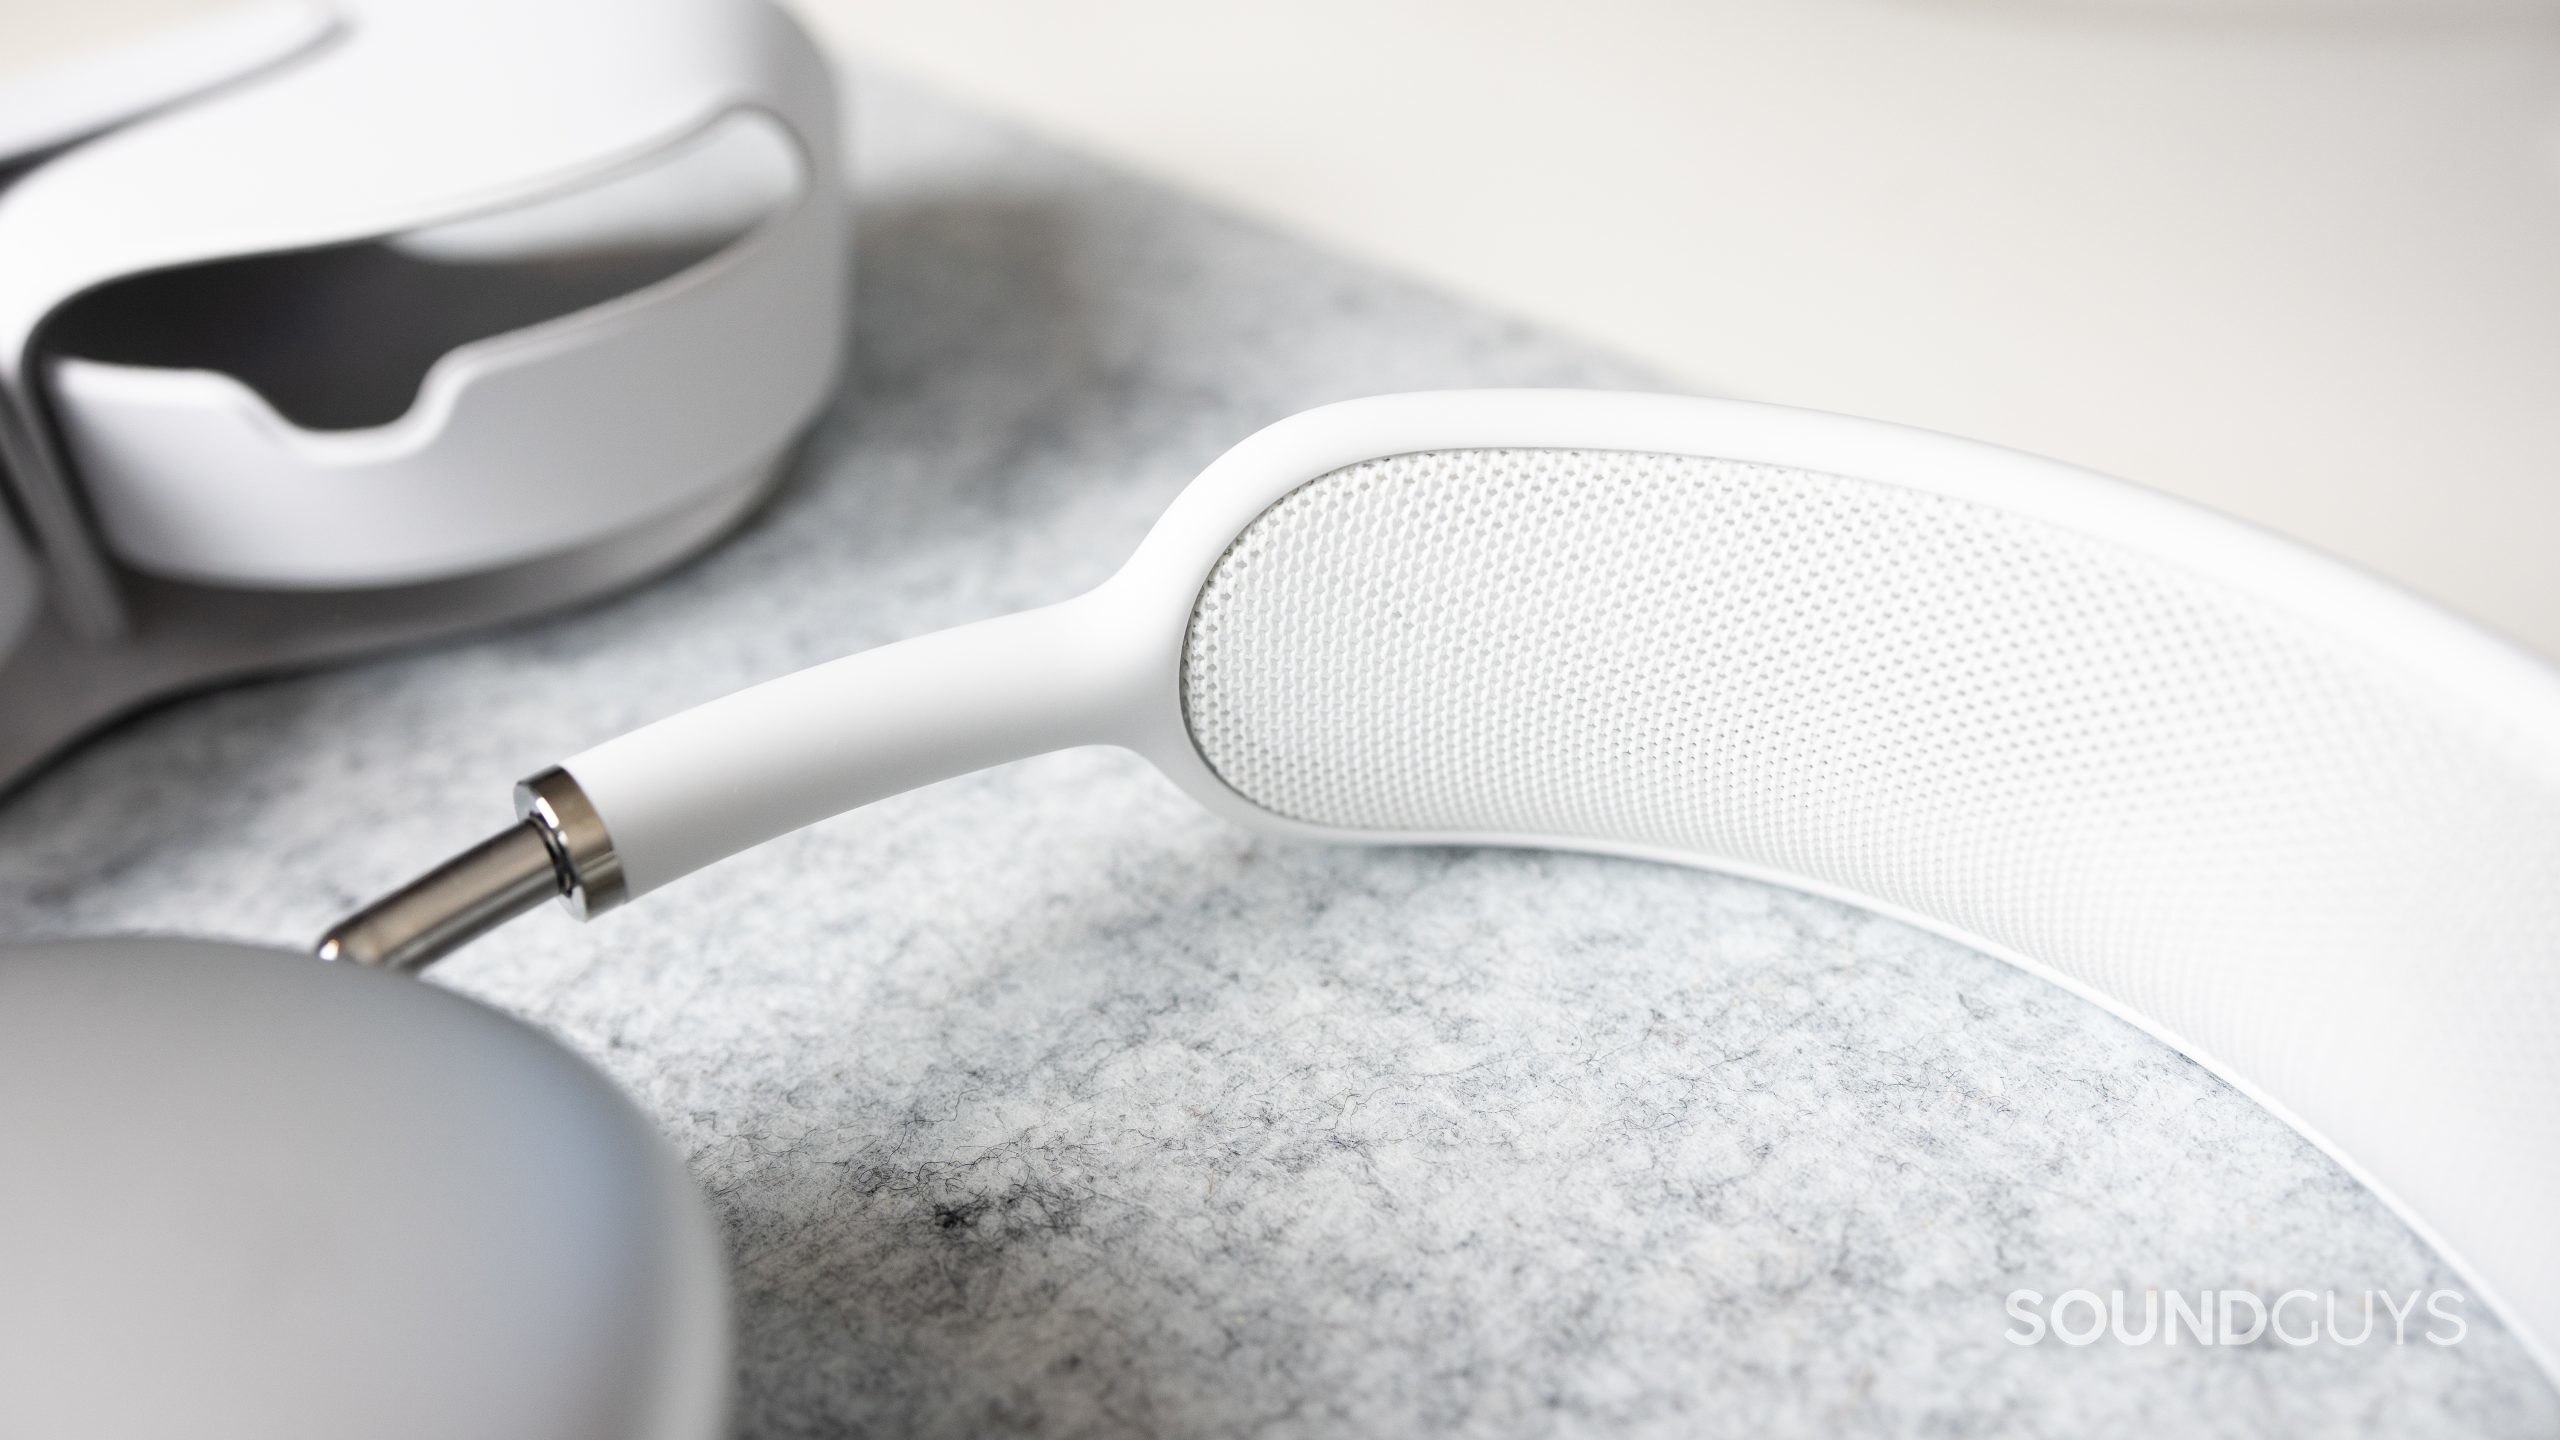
x: 676, y: 375
x: 430, y: 313
x: 102, y: 69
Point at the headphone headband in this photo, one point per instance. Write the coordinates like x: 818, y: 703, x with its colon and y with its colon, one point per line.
x: 2297, y: 824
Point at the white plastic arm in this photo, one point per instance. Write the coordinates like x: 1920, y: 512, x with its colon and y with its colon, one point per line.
x: 731, y: 774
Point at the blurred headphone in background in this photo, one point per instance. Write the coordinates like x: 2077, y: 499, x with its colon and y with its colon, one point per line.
x: 427, y: 315
x: 329, y: 327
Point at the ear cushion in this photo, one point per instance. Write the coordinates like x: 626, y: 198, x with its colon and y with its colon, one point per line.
x: 252, y: 1194
x: 2331, y: 879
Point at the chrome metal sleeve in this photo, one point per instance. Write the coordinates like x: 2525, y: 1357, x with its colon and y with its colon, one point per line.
x: 590, y: 871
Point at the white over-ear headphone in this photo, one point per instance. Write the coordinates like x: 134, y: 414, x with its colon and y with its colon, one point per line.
x: 2224, y: 787
x: 326, y: 328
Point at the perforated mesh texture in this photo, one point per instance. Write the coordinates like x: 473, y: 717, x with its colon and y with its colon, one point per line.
x: 2341, y: 885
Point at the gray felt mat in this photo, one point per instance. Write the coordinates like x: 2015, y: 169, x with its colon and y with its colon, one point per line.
x: 1041, y: 1103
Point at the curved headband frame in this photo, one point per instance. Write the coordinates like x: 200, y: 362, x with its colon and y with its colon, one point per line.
x: 1105, y: 668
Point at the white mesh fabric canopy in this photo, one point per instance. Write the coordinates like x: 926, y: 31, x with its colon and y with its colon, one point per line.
x: 2315, y: 871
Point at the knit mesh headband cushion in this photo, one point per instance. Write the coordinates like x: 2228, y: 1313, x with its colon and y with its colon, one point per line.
x: 2309, y: 869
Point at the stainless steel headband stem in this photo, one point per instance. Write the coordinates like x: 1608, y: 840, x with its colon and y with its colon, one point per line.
x: 559, y: 848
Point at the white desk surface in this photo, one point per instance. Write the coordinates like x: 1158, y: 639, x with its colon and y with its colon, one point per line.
x: 2298, y: 259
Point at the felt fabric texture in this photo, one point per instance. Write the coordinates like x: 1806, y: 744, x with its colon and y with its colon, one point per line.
x: 1041, y: 1103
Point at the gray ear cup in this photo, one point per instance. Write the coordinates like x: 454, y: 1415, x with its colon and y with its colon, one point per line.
x: 251, y: 1194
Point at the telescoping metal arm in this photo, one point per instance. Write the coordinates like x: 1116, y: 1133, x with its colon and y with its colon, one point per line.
x: 558, y: 849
